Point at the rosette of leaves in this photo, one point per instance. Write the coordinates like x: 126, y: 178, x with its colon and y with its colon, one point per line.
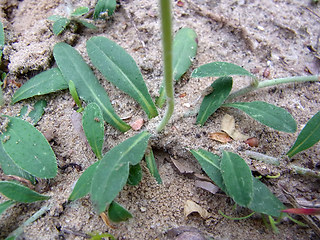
x: 60, y: 23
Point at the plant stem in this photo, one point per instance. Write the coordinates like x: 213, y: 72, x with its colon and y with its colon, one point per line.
x: 273, y: 82
x: 166, y: 23
x: 33, y: 218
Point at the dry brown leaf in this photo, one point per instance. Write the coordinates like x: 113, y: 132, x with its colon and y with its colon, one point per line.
x: 137, y: 124
x: 202, y: 177
x: 191, y: 206
x: 207, y: 186
x: 221, y: 137
x: 182, y: 166
x: 228, y: 125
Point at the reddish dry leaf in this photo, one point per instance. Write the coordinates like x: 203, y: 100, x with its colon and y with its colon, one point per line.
x: 304, y: 211
x: 137, y: 124
x: 221, y: 137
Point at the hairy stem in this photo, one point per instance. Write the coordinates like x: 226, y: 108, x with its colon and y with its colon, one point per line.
x: 166, y: 23
x: 273, y: 82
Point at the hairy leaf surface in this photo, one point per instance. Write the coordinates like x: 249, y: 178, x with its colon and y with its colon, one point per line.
x: 46, y: 82
x: 92, y: 122
x: 20, y: 193
x: 268, y: 114
x: 29, y: 149
x: 113, y: 170
x: 237, y: 177
x: 118, y: 67
x: 211, y: 102
x: 309, y: 136
x: 74, y: 68
x: 219, y: 69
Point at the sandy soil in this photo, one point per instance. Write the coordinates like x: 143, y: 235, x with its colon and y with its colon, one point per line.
x: 261, y: 36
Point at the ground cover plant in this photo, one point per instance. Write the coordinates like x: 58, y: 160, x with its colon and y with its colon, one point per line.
x: 106, y: 177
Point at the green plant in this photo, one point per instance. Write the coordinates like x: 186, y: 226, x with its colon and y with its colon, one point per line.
x: 60, y: 23
x: 104, y: 8
x: 104, y: 179
x: 2, y: 74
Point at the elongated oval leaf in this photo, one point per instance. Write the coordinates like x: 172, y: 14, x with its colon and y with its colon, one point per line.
x: 74, y: 68
x: 113, y: 170
x: 79, y: 11
x: 237, y: 177
x: 29, y: 149
x: 219, y: 69
x: 1, y: 39
x: 86, y: 24
x: 309, y: 136
x: 210, y: 163
x: 37, y: 112
x: 20, y: 193
x: 264, y: 201
x: 83, y: 185
x: 119, y: 68
x: 10, y: 168
x: 135, y: 175
x: 93, y: 127
x: 152, y: 166
x: 268, y: 114
x: 184, y: 49
x: 221, y: 89
x: 60, y: 25
x: 104, y: 6
x: 118, y: 213
x: 46, y: 82
x: 5, y: 205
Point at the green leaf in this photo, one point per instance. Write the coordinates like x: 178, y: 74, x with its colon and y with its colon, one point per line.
x: 60, y: 25
x: 37, y: 112
x: 184, y: 50
x: 119, y: 68
x: 113, y: 169
x: 220, y: 69
x: 86, y: 24
x: 221, y: 89
x: 5, y: 205
x: 79, y: 11
x: 1, y: 39
x: 309, y: 136
x: 152, y: 166
x: 104, y: 6
x: 74, y: 68
x: 20, y: 193
x: 264, y: 201
x: 267, y: 114
x: 55, y: 17
x: 92, y: 122
x: 237, y: 177
x: 43, y: 83
x: 10, y: 168
x: 118, y: 213
x: 74, y: 94
x: 210, y: 163
x: 83, y: 185
x: 135, y: 175
x: 29, y: 149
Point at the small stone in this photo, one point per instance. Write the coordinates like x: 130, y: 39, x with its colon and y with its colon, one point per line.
x: 143, y: 209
